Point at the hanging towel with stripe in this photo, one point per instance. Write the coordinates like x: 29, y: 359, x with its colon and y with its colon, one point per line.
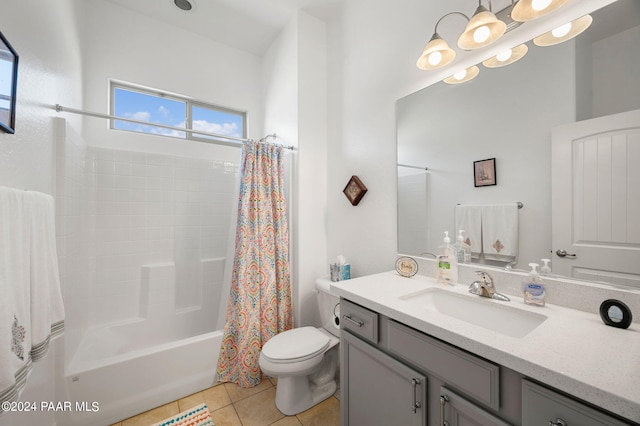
x: 31, y: 309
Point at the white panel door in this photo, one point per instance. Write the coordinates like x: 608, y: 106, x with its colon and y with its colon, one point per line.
x: 595, y: 198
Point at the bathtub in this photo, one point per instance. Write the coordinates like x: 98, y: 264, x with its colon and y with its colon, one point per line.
x: 120, y: 371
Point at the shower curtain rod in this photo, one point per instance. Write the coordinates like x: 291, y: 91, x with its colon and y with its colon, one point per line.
x: 413, y: 167
x: 235, y: 141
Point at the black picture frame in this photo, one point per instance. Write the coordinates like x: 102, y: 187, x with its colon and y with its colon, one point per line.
x: 484, y: 172
x: 8, y: 85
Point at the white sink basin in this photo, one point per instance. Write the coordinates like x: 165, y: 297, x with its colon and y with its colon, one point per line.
x: 482, y: 312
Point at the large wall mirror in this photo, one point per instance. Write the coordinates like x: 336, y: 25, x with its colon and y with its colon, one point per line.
x: 509, y: 114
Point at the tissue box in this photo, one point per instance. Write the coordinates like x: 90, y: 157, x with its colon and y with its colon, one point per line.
x: 335, y: 272
x: 345, y: 272
x: 340, y: 272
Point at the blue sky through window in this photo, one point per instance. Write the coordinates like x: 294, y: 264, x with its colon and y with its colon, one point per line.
x: 154, y: 109
x: 216, y: 121
x: 172, y: 112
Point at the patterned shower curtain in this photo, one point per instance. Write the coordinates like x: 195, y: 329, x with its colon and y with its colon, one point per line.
x: 260, y: 301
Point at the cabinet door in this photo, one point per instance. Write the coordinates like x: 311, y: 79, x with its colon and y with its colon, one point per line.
x: 542, y: 406
x: 378, y: 390
x: 457, y: 411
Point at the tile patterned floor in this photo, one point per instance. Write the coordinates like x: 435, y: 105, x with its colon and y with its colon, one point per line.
x: 231, y: 405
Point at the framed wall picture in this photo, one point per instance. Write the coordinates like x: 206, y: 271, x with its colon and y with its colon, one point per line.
x: 484, y: 172
x: 355, y: 190
x: 8, y: 85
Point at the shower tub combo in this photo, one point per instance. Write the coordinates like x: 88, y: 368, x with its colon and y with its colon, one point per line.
x: 144, y: 242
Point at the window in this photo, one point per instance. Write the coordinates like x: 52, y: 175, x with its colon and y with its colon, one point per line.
x: 166, y: 109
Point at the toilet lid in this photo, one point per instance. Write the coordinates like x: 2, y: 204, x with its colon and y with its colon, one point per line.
x: 302, y: 342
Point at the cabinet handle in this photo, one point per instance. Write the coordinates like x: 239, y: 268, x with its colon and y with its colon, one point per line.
x: 558, y: 422
x: 352, y: 321
x: 443, y: 401
x: 416, y: 404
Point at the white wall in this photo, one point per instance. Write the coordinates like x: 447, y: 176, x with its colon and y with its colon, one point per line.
x: 296, y: 108
x: 46, y: 36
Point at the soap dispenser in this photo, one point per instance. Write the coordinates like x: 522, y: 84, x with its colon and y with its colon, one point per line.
x: 462, y: 249
x: 447, y: 263
x: 533, y: 291
x: 545, y: 269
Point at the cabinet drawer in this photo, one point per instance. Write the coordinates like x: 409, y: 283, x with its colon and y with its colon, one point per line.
x: 542, y: 406
x: 359, y: 321
x: 476, y: 377
x: 457, y: 411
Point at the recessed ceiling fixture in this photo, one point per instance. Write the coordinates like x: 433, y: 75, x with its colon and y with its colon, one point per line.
x: 185, y: 5
x: 527, y: 10
x: 564, y: 32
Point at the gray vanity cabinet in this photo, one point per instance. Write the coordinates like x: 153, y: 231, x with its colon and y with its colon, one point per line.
x: 392, y: 374
x: 377, y: 389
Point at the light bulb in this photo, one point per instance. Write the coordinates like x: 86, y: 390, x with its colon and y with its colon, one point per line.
x: 504, y: 56
x: 562, y: 30
x: 481, y: 34
x: 435, y: 58
x: 460, y: 74
x: 540, y: 4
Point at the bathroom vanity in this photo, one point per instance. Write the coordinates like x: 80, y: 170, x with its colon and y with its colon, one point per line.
x: 414, y: 352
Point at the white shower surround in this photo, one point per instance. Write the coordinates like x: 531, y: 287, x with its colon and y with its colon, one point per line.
x: 144, y: 241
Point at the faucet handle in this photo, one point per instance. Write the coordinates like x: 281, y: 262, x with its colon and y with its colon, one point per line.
x: 486, y: 278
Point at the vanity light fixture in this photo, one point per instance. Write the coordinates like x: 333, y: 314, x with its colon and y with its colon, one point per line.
x: 507, y: 57
x: 437, y: 53
x: 564, y: 32
x: 482, y: 29
x: 463, y: 76
x: 527, y: 10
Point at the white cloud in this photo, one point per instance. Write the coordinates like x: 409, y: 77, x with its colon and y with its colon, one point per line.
x: 225, y: 129
x: 140, y: 115
x: 164, y: 111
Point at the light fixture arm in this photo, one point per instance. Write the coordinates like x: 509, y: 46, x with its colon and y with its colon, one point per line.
x: 490, y: 5
x: 435, y: 30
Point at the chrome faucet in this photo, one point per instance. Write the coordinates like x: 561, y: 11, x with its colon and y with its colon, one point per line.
x: 484, y: 287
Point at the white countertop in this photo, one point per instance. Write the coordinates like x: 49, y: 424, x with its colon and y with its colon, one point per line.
x: 571, y: 350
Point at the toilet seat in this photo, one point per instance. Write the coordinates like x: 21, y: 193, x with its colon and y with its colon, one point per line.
x: 296, y: 345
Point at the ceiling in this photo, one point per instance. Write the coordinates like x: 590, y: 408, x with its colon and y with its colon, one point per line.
x: 249, y: 25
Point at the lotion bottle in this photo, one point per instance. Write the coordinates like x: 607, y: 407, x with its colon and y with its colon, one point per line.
x: 533, y: 291
x: 447, y: 263
x: 462, y: 249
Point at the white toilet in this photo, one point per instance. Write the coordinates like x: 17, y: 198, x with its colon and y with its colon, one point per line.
x: 305, y: 359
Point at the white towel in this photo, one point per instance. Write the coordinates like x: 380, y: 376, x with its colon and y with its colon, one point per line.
x: 15, y: 317
x: 31, y: 310
x: 47, y: 310
x: 500, y: 232
x: 469, y: 219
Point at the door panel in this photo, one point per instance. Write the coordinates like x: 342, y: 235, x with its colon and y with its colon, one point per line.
x: 596, y: 198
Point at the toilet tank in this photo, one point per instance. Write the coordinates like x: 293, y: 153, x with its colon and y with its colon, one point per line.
x: 329, y: 305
